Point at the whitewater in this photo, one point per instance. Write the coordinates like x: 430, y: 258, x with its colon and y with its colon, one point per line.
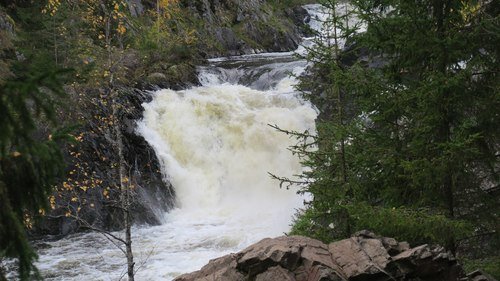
x: 216, y: 148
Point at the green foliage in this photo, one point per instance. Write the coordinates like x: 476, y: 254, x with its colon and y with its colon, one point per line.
x: 490, y: 265
x: 307, y: 223
x: 413, y: 225
x: 30, y: 158
x: 406, y: 148
x: 404, y: 224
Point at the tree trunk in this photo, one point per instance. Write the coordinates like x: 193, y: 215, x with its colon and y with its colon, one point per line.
x: 442, y: 9
x: 337, y: 93
x: 124, y: 192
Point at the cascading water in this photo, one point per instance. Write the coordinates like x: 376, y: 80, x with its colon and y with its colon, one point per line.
x: 216, y: 148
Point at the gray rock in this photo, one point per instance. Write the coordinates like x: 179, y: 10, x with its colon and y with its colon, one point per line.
x: 234, y: 27
x: 156, y: 78
x: 6, y: 23
x: 136, y: 8
x: 479, y: 275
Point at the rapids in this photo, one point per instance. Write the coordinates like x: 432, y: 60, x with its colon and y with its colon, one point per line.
x: 216, y: 147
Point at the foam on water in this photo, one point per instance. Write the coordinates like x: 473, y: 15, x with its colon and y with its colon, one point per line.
x: 216, y: 148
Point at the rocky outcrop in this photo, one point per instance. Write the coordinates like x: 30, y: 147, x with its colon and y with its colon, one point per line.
x: 234, y: 27
x: 6, y: 50
x: 89, y: 189
x: 91, y: 164
x: 364, y: 256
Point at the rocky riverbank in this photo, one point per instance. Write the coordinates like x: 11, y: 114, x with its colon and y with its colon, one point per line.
x: 363, y: 257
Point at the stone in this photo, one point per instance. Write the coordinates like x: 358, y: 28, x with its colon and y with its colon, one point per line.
x: 479, y: 275
x: 216, y: 269
x: 269, y: 252
x: 245, y: 27
x: 136, y: 8
x: 156, y: 78
x: 359, y: 256
x: 276, y: 273
x: 431, y: 263
x: 363, y: 257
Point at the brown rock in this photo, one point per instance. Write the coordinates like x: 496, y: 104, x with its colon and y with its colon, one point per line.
x: 359, y: 256
x: 364, y: 256
x: 283, y: 251
x: 322, y: 273
x: 276, y: 273
x: 220, y: 269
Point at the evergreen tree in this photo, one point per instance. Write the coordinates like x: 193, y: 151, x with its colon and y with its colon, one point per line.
x: 30, y: 159
x: 335, y: 90
x: 437, y: 107
x: 421, y: 145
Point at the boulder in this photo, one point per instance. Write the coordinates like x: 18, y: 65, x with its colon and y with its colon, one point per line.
x: 221, y: 269
x: 157, y: 78
x: 364, y: 256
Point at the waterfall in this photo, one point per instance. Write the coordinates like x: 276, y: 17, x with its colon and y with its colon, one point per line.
x: 216, y: 147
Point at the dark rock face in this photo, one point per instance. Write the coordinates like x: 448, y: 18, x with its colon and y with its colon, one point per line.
x: 152, y: 194
x: 245, y: 27
x: 363, y: 257
x: 95, y: 155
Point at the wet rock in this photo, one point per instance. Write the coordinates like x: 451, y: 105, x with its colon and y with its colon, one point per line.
x: 300, y: 17
x: 364, y: 256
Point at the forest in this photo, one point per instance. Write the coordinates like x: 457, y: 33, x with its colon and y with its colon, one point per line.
x: 406, y: 142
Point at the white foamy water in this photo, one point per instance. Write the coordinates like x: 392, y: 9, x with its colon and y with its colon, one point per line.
x: 216, y: 148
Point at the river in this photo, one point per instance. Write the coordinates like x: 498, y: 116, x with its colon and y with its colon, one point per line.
x: 216, y: 147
